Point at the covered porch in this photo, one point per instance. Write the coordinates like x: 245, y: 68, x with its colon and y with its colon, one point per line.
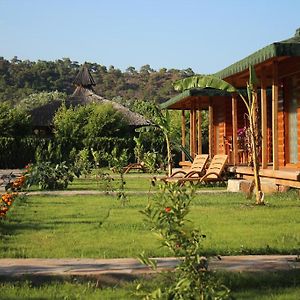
x: 277, y: 68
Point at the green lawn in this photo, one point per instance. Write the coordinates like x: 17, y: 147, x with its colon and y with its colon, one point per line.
x: 134, y: 182
x: 99, y: 226
x: 75, y: 226
x: 275, y: 286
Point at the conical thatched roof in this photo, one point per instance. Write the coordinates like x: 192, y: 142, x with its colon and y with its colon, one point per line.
x: 84, y: 78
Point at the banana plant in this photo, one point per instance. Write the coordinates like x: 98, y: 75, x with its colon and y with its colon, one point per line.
x: 250, y: 102
x: 162, y: 121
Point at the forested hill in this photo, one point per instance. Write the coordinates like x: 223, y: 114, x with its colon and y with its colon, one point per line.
x: 20, y: 78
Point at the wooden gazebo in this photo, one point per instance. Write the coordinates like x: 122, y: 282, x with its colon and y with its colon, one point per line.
x: 278, y: 69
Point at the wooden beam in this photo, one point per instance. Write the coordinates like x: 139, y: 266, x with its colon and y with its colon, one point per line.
x: 278, y: 174
x: 275, y: 89
x: 195, y: 132
x: 199, y: 132
x: 183, y: 137
x: 191, y: 133
x: 264, y: 127
x: 210, y: 128
x: 234, y: 130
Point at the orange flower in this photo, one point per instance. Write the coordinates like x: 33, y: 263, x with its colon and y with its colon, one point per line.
x: 168, y: 209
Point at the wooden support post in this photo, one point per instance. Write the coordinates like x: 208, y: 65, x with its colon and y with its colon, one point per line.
x: 183, y: 139
x: 199, y: 132
x: 275, y: 115
x: 234, y: 130
x: 264, y: 127
x: 210, y: 129
x: 195, y: 132
x: 191, y: 134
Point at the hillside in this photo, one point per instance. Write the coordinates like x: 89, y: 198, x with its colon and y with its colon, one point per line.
x: 20, y: 78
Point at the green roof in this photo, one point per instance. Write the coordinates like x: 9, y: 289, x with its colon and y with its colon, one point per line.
x: 289, y: 47
x: 193, y: 92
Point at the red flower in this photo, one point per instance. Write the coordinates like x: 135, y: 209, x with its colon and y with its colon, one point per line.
x: 168, y: 209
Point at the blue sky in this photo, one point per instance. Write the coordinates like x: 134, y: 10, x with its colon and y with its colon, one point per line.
x: 204, y: 35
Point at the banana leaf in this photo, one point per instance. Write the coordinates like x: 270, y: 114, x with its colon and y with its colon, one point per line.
x: 203, y: 82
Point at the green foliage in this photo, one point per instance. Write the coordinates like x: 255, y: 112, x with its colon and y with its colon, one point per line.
x: 48, y: 176
x: 167, y: 216
x: 118, y: 161
x: 206, y: 81
x: 18, y: 79
x: 48, y: 150
x: 69, y: 126
x: 104, y: 120
x: 38, y: 99
x: 151, y: 161
x: 139, y: 148
x: 13, y: 121
x: 85, y: 127
x: 83, y: 163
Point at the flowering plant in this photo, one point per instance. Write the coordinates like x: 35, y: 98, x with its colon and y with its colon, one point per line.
x: 167, y: 215
x: 9, y: 197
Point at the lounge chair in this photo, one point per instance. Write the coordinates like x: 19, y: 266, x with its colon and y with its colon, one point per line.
x: 197, y: 169
x: 134, y: 166
x: 214, y: 172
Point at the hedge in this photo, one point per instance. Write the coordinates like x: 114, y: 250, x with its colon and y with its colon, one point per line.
x: 18, y: 152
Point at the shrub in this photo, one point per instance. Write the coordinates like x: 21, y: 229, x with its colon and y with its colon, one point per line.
x: 48, y: 176
x: 167, y: 216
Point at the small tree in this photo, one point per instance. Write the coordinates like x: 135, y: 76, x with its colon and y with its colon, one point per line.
x: 251, y: 105
x: 162, y: 122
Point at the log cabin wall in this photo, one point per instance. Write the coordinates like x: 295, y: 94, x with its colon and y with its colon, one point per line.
x: 219, y: 126
x: 292, y: 121
x: 281, y: 128
x: 269, y: 130
x: 297, y: 93
x: 228, y: 129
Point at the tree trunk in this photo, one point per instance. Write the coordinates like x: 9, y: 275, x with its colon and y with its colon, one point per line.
x: 169, y: 154
x: 254, y: 149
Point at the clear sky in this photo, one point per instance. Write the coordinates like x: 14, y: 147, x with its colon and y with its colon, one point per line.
x: 206, y: 35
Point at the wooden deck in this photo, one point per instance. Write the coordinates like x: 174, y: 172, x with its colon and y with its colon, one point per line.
x: 284, y: 176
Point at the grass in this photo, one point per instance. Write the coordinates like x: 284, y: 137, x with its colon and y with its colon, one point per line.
x: 134, y: 182
x: 99, y: 226
x: 76, y: 226
x: 276, y: 286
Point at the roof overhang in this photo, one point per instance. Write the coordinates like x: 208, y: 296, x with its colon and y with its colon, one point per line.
x: 197, y: 98
x: 279, y: 51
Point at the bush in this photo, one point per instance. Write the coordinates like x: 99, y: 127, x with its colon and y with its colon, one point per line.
x: 13, y: 121
x: 48, y: 176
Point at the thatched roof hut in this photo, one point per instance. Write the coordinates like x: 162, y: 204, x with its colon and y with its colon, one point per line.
x: 84, y: 94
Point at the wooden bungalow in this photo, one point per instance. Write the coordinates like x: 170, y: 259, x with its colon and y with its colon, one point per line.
x: 278, y: 70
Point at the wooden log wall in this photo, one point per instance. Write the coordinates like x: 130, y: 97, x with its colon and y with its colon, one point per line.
x: 297, y: 94
x: 281, y: 128
x: 219, y: 126
x: 269, y: 130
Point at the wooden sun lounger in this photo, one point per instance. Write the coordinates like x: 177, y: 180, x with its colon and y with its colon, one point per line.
x: 197, y: 168
x: 214, y: 172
